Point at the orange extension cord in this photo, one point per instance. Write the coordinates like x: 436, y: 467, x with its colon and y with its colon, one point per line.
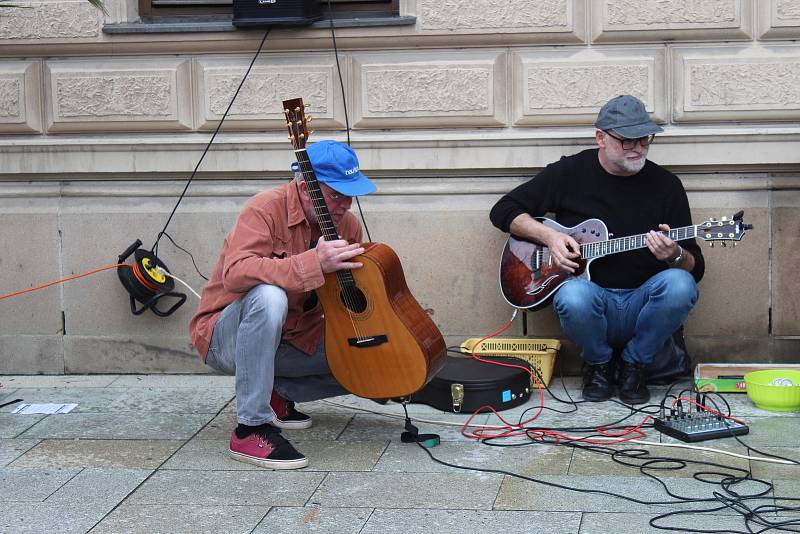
x: 63, y: 280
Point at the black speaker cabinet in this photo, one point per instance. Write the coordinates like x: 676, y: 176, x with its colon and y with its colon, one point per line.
x: 263, y: 13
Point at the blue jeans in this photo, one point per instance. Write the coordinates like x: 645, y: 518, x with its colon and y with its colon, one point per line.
x: 638, y: 321
x: 246, y: 342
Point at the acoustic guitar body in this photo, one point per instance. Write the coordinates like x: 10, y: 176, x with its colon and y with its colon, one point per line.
x: 379, y: 341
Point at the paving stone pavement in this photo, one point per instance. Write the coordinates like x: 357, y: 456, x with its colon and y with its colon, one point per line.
x: 144, y: 454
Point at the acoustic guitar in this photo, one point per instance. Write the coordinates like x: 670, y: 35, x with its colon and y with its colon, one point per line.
x: 528, y: 277
x: 379, y: 341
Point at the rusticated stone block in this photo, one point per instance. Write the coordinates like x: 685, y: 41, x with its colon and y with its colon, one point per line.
x: 259, y: 102
x: 653, y: 20
x: 779, y: 19
x: 737, y: 84
x: 569, y: 87
x: 51, y: 20
x: 785, y: 240
x: 20, y: 108
x: 434, y: 88
x: 127, y: 94
x: 496, y: 15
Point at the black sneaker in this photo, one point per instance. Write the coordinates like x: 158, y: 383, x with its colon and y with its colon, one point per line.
x: 285, y: 414
x: 597, y: 383
x: 632, y: 386
x: 266, y: 448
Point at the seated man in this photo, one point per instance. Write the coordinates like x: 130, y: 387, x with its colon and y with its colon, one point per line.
x: 635, y: 299
x: 259, y: 318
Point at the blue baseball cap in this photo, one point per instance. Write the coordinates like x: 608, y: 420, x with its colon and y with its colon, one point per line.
x: 336, y: 165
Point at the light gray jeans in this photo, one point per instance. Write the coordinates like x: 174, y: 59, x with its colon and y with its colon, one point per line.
x: 246, y: 342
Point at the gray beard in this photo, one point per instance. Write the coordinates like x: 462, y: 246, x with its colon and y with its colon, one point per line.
x: 631, y: 166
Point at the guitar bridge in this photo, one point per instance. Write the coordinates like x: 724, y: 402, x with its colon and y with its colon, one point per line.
x: 369, y: 341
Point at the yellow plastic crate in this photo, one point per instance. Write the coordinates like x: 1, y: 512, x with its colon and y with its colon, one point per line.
x: 539, y: 353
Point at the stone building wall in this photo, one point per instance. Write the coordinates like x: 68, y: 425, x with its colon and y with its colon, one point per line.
x: 99, y: 132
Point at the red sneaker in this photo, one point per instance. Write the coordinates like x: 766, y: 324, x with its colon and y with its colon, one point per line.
x: 285, y: 414
x: 267, y: 448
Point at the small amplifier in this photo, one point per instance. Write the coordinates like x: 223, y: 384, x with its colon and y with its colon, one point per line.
x: 263, y: 13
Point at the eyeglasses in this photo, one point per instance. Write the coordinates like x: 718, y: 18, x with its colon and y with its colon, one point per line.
x: 333, y: 194
x: 630, y: 144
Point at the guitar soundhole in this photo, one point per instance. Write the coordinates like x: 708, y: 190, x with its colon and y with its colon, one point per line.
x: 353, y: 299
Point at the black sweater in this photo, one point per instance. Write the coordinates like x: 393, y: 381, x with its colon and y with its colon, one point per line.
x: 577, y: 188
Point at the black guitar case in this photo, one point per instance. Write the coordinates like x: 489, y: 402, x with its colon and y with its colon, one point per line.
x: 465, y: 384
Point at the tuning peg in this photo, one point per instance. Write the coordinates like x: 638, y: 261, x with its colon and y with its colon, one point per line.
x: 286, y: 110
x: 302, y: 136
x: 309, y: 118
x: 711, y: 244
x: 297, y: 109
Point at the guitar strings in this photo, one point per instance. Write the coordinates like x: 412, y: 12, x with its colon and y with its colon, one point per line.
x: 325, y: 222
x: 623, y: 244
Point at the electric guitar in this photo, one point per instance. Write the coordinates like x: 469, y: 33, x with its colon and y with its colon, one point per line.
x: 528, y: 277
x: 379, y: 341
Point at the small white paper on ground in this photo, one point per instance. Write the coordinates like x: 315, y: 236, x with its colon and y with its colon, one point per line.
x: 51, y: 408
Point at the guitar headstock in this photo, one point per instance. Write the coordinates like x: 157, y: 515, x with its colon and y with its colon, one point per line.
x: 725, y: 229
x: 296, y: 122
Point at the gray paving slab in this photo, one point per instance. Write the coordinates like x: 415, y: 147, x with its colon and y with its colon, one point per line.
x: 183, y: 519
x: 588, y: 414
x: 459, y: 521
x: 518, y: 494
x: 100, y: 487
x: 365, y: 427
x: 326, y: 426
x: 228, y: 488
x: 355, y: 404
x: 591, y: 463
x: 773, y: 431
x: 11, y: 449
x: 776, y: 471
x: 57, y: 381
x: 12, y: 425
x: 7, y: 394
x: 294, y: 520
x: 175, y: 381
x: 787, y: 494
x: 620, y: 523
x: 127, y: 400
x: 121, y: 453
x: 408, y: 490
x: 118, y: 426
x: 528, y: 460
x: 69, y: 518
x: 32, y: 485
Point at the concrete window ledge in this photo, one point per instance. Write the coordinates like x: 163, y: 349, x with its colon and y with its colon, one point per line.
x: 179, y: 25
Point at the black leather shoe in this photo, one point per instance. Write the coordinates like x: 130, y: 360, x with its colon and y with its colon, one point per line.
x: 632, y: 387
x: 597, y: 384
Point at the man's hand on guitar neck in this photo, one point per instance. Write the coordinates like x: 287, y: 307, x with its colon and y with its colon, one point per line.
x: 334, y: 255
x: 563, y: 249
x: 667, y: 250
